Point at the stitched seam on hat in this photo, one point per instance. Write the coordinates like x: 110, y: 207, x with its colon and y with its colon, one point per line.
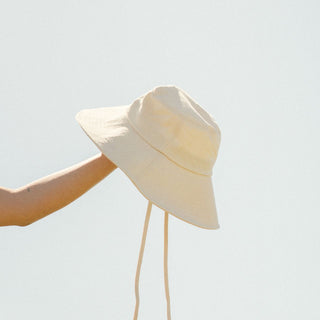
x: 144, y: 139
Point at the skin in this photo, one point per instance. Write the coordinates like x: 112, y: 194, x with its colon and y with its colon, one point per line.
x: 27, y: 204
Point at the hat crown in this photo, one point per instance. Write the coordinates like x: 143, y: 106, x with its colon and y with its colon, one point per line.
x: 174, y: 124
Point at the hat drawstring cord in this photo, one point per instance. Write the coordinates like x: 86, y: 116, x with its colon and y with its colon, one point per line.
x: 143, y: 242
x: 165, y: 261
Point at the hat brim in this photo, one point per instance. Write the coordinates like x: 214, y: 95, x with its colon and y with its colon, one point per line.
x: 184, y: 194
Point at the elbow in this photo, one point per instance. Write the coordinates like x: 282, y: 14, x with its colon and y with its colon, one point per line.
x: 19, y: 219
x: 19, y: 213
x: 15, y: 208
x: 22, y: 219
x: 23, y: 223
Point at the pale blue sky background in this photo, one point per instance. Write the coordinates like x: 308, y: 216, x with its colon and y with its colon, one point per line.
x: 254, y: 65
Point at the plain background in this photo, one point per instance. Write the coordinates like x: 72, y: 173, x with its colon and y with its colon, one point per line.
x: 254, y: 65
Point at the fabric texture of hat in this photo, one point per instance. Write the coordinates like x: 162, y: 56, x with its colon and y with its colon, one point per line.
x: 167, y: 144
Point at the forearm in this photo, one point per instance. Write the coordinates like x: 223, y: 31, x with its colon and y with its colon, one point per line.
x: 51, y: 193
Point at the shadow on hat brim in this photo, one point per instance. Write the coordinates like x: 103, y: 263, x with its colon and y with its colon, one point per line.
x: 184, y: 194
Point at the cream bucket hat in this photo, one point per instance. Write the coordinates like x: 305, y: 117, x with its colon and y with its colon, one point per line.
x: 167, y: 144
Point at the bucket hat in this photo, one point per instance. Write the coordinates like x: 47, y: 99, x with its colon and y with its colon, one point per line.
x: 167, y: 145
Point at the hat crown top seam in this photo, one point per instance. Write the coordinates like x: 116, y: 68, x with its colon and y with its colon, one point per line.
x: 170, y: 122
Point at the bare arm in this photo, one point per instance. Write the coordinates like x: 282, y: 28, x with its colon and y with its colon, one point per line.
x: 38, y: 199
